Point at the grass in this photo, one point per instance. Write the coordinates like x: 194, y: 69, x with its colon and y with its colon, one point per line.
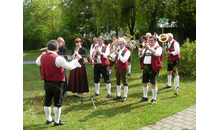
x: 109, y: 114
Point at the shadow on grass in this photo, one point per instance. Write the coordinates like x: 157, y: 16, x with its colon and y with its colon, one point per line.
x: 38, y: 126
x: 111, y: 112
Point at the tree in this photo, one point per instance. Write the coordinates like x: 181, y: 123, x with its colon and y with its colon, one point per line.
x: 107, y: 13
x: 40, y: 20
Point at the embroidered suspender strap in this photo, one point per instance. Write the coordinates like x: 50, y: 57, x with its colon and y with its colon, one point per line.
x: 171, y: 45
x: 44, y: 76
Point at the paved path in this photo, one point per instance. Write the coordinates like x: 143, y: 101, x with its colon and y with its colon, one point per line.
x: 28, y: 62
x: 183, y: 120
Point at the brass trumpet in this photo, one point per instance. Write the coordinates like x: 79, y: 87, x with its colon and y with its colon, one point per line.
x: 140, y: 47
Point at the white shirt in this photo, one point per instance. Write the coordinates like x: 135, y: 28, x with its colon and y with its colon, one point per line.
x: 105, y: 55
x: 61, y: 62
x: 122, y: 58
x: 147, y: 59
x: 176, y: 47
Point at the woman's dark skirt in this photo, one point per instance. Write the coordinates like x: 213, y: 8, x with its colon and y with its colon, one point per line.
x: 78, y: 82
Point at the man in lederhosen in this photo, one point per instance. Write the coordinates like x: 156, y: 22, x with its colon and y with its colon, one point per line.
x: 151, y: 64
x: 173, y: 61
x: 99, y: 55
x: 52, y: 72
x: 121, y: 65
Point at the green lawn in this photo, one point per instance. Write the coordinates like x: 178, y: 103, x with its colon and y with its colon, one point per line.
x: 109, y: 114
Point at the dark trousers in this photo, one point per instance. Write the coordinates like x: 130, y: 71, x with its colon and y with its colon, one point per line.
x: 53, y: 89
x: 99, y: 69
x: 121, y: 75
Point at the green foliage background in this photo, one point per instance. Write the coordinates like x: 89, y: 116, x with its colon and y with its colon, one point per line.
x: 44, y: 20
x: 187, y: 65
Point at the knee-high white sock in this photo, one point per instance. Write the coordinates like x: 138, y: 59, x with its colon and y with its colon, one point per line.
x: 97, y: 85
x: 108, y: 86
x: 125, y: 91
x: 110, y: 71
x: 178, y: 78
x: 169, y: 77
x: 57, y: 112
x: 129, y: 68
x: 118, y: 90
x: 48, y: 113
x: 154, y: 93
x: 145, y: 91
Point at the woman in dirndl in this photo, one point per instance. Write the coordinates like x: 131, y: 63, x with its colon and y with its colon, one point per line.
x: 78, y: 82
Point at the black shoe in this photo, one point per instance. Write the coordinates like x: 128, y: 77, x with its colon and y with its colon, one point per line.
x: 95, y: 95
x: 166, y: 87
x: 109, y: 96
x: 153, y: 101
x: 49, y: 122
x: 124, y: 99
x: 129, y: 74
x: 143, y: 99
x: 117, y: 97
x: 60, y: 123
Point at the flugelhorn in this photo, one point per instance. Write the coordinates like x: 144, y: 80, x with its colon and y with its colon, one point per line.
x: 114, y: 48
x: 43, y: 48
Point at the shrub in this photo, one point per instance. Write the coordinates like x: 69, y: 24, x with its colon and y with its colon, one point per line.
x: 187, y: 66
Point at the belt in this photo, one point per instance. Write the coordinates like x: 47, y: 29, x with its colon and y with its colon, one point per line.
x: 148, y: 54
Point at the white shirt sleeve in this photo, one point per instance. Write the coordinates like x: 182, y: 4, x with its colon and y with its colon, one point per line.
x: 105, y: 55
x: 176, y: 49
x: 158, y: 52
x: 125, y: 58
x: 61, y: 62
x: 38, y: 60
x: 113, y: 57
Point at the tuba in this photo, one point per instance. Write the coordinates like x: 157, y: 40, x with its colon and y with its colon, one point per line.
x: 129, y: 42
x: 163, y: 38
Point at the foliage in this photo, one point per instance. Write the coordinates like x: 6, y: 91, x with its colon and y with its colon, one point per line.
x: 187, y: 66
x: 41, y: 20
x: 44, y: 20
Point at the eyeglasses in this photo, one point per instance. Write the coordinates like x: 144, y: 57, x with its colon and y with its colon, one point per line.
x: 77, y: 41
x: 151, y: 40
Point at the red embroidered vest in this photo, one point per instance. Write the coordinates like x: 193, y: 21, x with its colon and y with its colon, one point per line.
x: 122, y: 66
x: 156, y: 61
x: 172, y: 57
x: 49, y: 71
x: 103, y: 60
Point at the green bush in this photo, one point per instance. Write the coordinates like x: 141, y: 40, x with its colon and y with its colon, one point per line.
x: 187, y: 66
